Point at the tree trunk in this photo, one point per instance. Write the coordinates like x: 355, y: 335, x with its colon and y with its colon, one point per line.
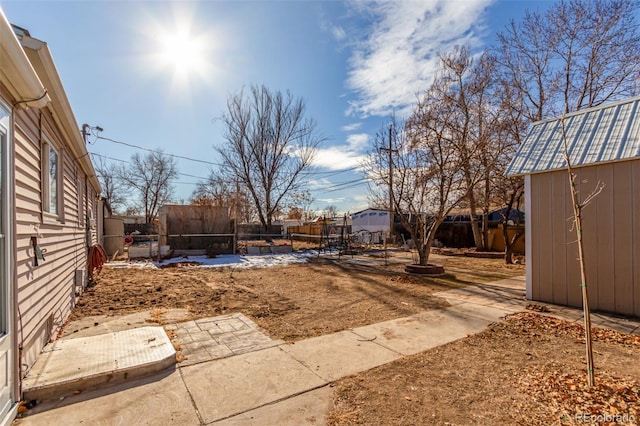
x: 477, y: 235
x: 485, y: 230
x: 509, y: 244
x: 428, y: 242
x: 508, y: 256
x: 423, y: 254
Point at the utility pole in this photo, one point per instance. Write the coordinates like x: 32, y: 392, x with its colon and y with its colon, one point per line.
x: 85, y: 132
x: 391, y: 209
x: 390, y: 150
x: 235, y: 218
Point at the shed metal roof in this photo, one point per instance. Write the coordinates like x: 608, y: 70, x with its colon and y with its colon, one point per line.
x: 602, y: 134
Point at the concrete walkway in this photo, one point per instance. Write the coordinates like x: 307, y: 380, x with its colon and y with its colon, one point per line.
x: 274, y: 383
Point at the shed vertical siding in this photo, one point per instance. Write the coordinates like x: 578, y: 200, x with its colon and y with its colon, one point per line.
x: 46, y: 293
x: 544, y: 250
x: 602, y: 220
x: 635, y: 240
x: 622, y: 235
x: 593, y: 216
x: 611, y: 232
x: 558, y: 250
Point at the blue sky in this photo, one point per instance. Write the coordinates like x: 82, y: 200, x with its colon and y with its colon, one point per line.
x: 353, y: 62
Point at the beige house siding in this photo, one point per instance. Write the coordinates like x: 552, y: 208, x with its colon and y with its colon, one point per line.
x: 47, y: 293
x: 611, y: 238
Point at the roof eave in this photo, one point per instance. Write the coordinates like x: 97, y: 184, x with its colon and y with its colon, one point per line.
x: 40, y: 55
x: 17, y: 74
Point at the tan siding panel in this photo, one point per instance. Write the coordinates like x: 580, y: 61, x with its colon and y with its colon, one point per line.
x: 46, y: 293
x: 611, y: 232
x: 574, y: 275
x: 572, y: 265
x: 600, y: 220
x: 545, y: 248
x: 558, y: 234
x: 23, y: 158
x: 27, y: 125
x: 623, y: 238
x: 635, y: 214
x: 535, y: 237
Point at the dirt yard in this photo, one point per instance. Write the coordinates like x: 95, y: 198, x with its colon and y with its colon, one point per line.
x: 528, y: 370
x: 290, y: 302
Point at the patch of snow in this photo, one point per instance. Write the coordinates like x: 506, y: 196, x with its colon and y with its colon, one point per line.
x: 230, y: 260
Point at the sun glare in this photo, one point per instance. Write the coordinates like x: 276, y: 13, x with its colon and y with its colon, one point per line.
x: 180, y: 48
x: 183, y: 52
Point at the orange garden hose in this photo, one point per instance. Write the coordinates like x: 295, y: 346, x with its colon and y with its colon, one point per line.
x: 97, y: 258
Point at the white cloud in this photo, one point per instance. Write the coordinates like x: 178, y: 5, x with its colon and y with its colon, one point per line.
x: 358, y: 142
x: 399, y: 55
x: 351, y: 127
x: 345, y: 156
x: 338, y: 33
x: 337, y: 158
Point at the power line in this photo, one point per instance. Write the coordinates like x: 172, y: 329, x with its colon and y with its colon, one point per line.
x: 129, y: 162
x: 334, y: 187
x: 344, y: 185
x: 170, y: 180
x: 158, y: 151
x: 331, y: 172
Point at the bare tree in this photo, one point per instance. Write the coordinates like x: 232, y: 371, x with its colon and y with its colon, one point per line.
x: 467, y: 92
x: 427, y: 183
x: 113, y: 190
x: 300, y: 205
x: 270, y: 142
x: 150, y: 178
x: 214, y: 191
x: 218, y: 191
x: 330, y: 211
x: 295, y: 213
x: 598, y: 46
x: 525, y: 55
x: 509, y: 191
x: 578, y: 54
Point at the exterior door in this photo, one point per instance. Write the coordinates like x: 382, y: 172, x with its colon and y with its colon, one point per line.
x: 7, y: 352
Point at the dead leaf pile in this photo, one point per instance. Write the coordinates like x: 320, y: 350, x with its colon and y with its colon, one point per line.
x: 531, y: 323
x: 613, y: 400
x: 536, y: 307
x: 565, y: 393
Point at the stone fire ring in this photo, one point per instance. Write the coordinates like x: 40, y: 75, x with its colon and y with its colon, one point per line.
x: 428, y: 269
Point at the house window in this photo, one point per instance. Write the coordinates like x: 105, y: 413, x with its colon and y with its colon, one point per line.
x: 51, y: 180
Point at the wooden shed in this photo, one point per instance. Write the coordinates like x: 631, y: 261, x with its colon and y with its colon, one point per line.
x: 48, y: 204
x: 604, y: 147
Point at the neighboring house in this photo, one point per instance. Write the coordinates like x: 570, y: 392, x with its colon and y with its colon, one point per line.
x: 372, y: 220
x: 604, y: 146
x: 48, y: 202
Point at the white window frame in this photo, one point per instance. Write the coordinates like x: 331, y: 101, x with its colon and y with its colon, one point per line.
x: 58, y: 214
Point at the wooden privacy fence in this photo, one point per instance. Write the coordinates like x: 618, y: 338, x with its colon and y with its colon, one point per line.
x: 187, y: 227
